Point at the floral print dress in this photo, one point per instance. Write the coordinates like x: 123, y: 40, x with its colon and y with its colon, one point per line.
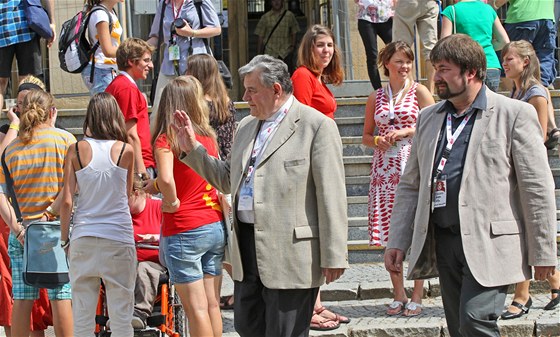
x: 388, y: 166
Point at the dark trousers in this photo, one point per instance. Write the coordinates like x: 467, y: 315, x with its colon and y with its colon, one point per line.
x: 263, y: 312
x: 470, y: 308
x: 369, y: 32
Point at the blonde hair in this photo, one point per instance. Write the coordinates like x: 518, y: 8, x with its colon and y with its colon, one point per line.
x: 182, y: 93
x: 33, y: 80
x: 531, y: 73
x: 37, y: 106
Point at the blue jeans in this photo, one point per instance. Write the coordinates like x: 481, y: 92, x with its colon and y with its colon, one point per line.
x: 542, y: 35
x: 102, y: 77
x: 493, y: 79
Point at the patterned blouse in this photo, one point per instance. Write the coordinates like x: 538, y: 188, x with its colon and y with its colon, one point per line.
x: 224, y: 131
x: 375, y: 11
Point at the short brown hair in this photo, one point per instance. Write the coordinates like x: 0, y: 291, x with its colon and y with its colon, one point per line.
x: 463, y: 51
x: 132, y: 49
x: 390, y: 50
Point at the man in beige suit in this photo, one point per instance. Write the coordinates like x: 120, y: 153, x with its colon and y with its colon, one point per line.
x: 286, y: 177
x: 476, y: 201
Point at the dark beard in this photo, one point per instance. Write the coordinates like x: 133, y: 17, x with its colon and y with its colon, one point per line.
x: 446, y: 93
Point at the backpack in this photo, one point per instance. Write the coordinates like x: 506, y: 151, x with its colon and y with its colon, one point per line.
x: 74, y: 49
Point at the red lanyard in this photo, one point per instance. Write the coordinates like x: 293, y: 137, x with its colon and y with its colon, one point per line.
x: 176, y: 13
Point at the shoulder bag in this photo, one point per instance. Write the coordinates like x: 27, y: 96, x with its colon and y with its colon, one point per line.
x: 44, y: 261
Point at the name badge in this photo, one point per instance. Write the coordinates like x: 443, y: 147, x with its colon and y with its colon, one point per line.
x: 245, y: 199
x: 174, y: 52
x: 440, y: 192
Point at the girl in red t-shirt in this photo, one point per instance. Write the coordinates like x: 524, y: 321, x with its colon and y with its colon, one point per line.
x: 193, y: 232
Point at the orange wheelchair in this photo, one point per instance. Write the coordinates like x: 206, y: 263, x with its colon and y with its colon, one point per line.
x: 168, y: 317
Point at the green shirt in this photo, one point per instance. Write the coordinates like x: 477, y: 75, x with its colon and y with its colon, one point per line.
x: 529, y: 10
x: 475, y: 19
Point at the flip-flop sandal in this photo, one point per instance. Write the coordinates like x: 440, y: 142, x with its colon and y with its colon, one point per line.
x: 395, y: 308
x: 553, y: 302
x: 226, y: 302
x: 553, y: 139
x: 412, y: 306
x: 321, y: 325
x: 322, y: 311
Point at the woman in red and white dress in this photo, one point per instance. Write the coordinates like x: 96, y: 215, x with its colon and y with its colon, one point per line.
x: 390, y: 123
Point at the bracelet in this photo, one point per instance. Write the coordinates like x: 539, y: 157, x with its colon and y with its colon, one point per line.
x: 156, y: 187
x: 52, y: 211
x: 375, y: 139
x: 194, y: 33
x: 50, y: 217
x: 14, y: 127
x: 174, y: 203
x: 19, y: 233
x: 65, y: 243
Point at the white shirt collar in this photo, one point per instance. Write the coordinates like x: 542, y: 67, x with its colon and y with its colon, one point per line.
x: 286, y: 106
x: 128, y: 76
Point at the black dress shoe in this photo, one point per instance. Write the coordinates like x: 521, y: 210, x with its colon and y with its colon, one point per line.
x: 524, y: 309
x: 553, y: 302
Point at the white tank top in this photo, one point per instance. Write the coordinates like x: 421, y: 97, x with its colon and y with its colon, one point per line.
x: 102, y: 204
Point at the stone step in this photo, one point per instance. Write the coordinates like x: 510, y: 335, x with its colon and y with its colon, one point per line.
x: 357, y: 186
x: 350, y: 126
x: 357, y: 166
x: 352, y: 146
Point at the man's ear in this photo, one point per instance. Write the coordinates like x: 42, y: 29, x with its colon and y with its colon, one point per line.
x: 131, y: 63
x: 277, y: 89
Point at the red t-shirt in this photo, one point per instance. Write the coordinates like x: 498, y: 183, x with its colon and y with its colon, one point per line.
x: 310, y: 91
x: 199, y: 200
x: 147, y: 222
x: 134, y: 106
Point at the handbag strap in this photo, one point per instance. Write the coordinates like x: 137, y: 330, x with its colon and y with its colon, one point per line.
x: 160, y: 38
x: 273, y: 29
x: 198, y: 6
x: 10, y: 186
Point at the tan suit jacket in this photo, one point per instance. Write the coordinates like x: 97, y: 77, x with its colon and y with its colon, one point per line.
x: 506, y: 202
x: 301, y: 223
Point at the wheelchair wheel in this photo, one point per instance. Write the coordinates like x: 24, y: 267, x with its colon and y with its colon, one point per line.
x: 179, y: 317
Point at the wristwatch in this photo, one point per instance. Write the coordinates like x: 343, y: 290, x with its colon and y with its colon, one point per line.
x: 64, y: 243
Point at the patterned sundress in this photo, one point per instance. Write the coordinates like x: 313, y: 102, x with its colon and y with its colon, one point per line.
x: 386, y: 171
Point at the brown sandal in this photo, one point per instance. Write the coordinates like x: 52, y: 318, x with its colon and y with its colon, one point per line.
x: 321, y: 323
x: 326, y: 313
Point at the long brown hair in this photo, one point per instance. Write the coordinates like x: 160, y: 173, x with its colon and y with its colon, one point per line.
x: 333, y: 73
x: 37, y: 107
x: 531, y: 73
x: 205, y: 68
x: 104, y: 119
x: 182, y: 93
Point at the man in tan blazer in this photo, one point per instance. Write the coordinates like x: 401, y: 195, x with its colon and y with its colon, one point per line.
x: 476, y: 201
x: 286, y: 177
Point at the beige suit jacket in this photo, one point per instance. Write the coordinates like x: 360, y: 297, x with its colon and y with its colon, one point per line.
x: 301, y: 223
x: 506, y: 202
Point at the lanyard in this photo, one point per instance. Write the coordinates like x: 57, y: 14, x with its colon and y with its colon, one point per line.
x: 262, y: 138
x: 393, y: 102
x: 451, y: 138
x: 177, y: 12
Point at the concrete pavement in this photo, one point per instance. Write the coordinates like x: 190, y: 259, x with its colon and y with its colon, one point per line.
x: 364, y: 292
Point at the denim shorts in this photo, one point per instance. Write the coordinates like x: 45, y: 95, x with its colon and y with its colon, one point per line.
x: 102, y: 77
x: 22, y: 291
x: 191, y: 254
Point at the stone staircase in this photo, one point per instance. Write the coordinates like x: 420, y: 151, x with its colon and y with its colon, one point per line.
x: 357, y: 162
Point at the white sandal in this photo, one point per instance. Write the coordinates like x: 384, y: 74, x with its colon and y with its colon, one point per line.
x: 395, y: 305
x: 413, y: 306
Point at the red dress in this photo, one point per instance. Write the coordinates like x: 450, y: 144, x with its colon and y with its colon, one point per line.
x: 387, y: 167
